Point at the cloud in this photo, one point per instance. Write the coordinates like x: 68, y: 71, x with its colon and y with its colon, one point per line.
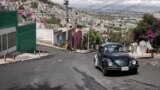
x: 111, y: 3
x: 107, y: 2
x: 87, y: 2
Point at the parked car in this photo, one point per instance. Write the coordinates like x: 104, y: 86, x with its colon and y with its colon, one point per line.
x: 113, y: 57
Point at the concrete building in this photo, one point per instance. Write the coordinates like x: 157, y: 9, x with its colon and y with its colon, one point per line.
x: 7, y: 40
x: 7, y: 32
x: 13, y: 37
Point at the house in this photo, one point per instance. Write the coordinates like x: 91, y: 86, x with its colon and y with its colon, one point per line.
x: 8, y: 26
x: 14, y: 37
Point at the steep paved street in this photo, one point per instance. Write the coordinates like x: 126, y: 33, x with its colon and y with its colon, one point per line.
x: 71, y: 71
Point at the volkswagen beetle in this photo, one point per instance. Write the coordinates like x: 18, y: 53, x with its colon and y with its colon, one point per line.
x: 113, y: 57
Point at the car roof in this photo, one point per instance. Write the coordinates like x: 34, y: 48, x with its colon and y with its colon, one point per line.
x: 109, y: 43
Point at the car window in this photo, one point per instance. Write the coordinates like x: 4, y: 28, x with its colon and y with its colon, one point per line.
x: 113, y: 47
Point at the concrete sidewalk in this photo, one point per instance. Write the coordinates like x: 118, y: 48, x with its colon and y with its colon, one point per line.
x: 147, y: 55
x: 22, y: 57
x: 50, y: 45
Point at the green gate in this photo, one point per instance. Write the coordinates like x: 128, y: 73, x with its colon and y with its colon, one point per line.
x: 26, y: 38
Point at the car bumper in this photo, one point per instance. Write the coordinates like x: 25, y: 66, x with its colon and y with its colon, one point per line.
x: 119, y: 68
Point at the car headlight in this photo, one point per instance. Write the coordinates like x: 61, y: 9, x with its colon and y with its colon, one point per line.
x: 134, y: 62
x: 109, y: 62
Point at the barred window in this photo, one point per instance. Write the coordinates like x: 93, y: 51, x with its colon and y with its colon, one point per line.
x: 4, y: 42
x: 0, y: 44
x: 11, y: 39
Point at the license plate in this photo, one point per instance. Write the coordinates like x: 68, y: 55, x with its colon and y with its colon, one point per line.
x: 124, y: 68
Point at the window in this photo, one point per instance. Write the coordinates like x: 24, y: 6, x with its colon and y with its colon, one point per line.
x: 113, y: 48
x: 4, y: 42
x: 11, y: 39
x: 0, y: 44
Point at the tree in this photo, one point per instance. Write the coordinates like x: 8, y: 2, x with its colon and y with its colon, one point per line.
x: 144, y: 28
x: 53, y: 20
x: 149, y: 19
x: 94, y: 38
x: 127, y: 38
x: 156, y: 42
x: 115, y: 36
x: 148, y: 29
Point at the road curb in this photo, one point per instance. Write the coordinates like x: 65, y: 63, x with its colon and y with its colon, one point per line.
x: 18, y: 61
x: 49, y: 45
x: 84, y: 51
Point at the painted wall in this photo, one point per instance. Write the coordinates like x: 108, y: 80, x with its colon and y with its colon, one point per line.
x: 45, y: 36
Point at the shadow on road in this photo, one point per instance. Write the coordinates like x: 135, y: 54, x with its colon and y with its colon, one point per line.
x: 145, y: 58
x: 89, y: 82
x: 119, y: 73
x: 80, y: 87
x: 45, y: 86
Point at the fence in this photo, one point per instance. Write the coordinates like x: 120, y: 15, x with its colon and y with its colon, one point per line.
x: 26, y: 38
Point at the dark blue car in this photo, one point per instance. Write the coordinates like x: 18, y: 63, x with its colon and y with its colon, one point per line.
x: 113, y: 57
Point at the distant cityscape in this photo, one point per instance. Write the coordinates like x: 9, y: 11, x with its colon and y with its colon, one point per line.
x: 100, y: 20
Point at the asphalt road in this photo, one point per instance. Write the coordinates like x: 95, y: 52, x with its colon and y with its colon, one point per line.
x: 71, y: 71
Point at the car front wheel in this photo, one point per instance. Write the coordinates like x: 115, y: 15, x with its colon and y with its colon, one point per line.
x: 104, y: 72
x: 135, y: 71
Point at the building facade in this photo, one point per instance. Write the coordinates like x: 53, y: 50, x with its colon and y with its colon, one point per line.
x: 8, y: 26
x: 14, y: 37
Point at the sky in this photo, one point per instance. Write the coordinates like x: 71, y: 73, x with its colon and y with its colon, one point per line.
x: 142, y: 5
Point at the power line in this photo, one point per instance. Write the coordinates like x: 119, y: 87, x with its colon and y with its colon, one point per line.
x: 110, y: 5
x: 134, y: 5
x: 116, y: 2
x: 91, y: 6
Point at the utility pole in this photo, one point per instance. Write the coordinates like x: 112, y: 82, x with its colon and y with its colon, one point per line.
x: 89, y: 31
x: 88, y: 38
x: 76, y: 20
x: 66, y: 3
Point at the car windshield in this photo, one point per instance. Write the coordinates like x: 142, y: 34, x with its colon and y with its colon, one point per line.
x: 114, y: 48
